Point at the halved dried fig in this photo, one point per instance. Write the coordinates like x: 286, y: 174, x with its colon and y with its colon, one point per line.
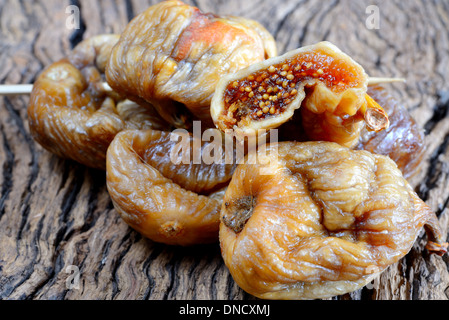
x: 73, y: 115
x: 327, y: 84
x: 322, y: 220
x: 162, y: 198
x: 172, y: 55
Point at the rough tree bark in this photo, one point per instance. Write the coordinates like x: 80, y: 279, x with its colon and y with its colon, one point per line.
x: 55, y: 213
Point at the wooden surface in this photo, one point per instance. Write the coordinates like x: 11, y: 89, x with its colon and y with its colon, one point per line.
x: 56, y: 216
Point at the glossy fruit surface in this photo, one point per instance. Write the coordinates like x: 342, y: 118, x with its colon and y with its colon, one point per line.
x: 172, y: 55
x: 318, y: 220
x: 166, y: 201
x: 73, y: 115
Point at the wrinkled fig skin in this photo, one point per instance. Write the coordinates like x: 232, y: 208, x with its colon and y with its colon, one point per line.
x: 323, y: 222
x: 70, y: 113
x: 177, y: 204
x: 402, y: 141
x: 326, y: 84
x: 172, y: 55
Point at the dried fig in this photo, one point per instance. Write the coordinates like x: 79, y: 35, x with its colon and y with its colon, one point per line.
x: 172, y: 55
x: 72, y: 115
x: 322, y: 220
x: 164, y: 199
x: 402, y: 141
x: 327, y: 84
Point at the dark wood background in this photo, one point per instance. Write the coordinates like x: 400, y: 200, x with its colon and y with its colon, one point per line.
x: 55, y: 213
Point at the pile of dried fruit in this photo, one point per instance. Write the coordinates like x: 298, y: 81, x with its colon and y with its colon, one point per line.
x: 313, y: 219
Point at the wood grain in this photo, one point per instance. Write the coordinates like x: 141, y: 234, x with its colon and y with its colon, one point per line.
x: 55, y: 213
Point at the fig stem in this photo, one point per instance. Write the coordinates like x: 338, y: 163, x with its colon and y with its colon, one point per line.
x: 375, y: 116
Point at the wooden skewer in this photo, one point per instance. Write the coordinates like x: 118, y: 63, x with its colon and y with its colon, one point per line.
x: 15, y: 89
x: 18, y: 89
x: 376, y: 80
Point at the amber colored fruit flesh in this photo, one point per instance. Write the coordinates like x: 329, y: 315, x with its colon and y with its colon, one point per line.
x: 276, y: 86
x: 318, y: 79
